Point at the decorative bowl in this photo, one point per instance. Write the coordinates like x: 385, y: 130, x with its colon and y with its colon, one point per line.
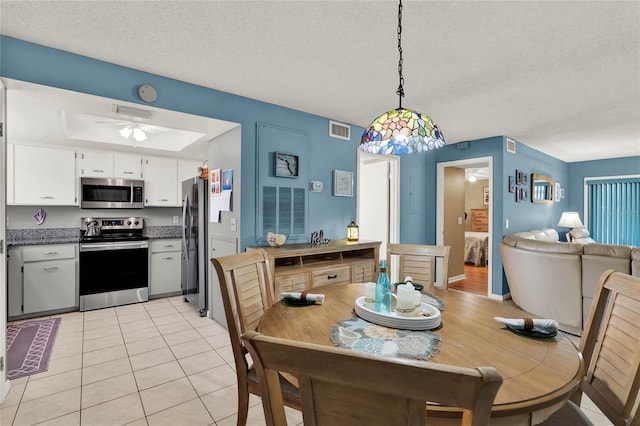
x: 276, y: 240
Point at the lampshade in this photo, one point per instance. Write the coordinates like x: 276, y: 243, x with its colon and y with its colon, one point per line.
x: 401, y: 130
x: 570, y: 220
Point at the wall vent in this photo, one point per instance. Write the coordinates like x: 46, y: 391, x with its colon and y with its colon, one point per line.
x: 131, y: 111
x: 339, y: 130
x: 511, y: 146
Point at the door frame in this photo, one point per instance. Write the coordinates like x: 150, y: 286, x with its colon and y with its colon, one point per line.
x: 5, y: 385
x: 393, y: 162
x: 440, y: 208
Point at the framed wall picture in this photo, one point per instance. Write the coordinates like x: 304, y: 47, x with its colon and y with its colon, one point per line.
x: 512, y: 184
x: 342, y: 183
x: 287, y: 165
x: 485, y: 195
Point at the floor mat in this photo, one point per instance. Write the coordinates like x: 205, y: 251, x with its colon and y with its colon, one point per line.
x: 29, y: 345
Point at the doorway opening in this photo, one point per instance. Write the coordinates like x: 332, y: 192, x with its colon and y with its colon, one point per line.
x: 378, y: 203
x: 464, y: 216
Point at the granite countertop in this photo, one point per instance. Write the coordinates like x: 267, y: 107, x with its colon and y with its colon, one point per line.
x: 37, y: 236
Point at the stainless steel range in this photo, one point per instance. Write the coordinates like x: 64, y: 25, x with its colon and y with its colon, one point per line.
x: 114, y: 262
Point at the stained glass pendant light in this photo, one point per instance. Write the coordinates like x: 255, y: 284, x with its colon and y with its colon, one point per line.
x: 402, y: 130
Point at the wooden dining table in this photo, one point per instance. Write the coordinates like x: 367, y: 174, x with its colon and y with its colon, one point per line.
x: 539, y: 374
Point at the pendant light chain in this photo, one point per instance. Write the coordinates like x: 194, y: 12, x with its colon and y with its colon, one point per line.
x: 400, y: 91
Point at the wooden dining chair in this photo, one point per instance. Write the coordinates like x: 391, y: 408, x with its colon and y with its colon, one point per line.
x: 419, y: 262
x: 344, y: 387
x: 246, y: 287
x: 610, y: 345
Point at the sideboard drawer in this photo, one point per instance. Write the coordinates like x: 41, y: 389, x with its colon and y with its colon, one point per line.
x: 291, y: 282
x: 331, y: 276
x: 363, y: 272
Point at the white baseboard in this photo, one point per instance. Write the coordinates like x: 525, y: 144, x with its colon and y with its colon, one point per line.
x: 456, y: 278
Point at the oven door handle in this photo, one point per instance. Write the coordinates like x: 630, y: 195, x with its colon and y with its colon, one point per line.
x: 125, y: 245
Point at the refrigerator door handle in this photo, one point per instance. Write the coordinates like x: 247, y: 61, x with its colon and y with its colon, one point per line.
x: 185, y: 226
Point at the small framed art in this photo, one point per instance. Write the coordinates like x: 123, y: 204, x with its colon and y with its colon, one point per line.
x: 485, y: 195
x: 342, y: 183
x: 287, y: 165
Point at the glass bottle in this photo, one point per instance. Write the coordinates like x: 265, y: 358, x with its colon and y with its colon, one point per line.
x: 383, y: 290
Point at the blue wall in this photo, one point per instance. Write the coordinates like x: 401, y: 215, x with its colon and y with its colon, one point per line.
x: 34, y: 63
x: 25, y: 61
x: 526, y: 215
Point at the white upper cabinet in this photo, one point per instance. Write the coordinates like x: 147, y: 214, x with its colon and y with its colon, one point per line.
x: 95, y: 164
x: 127, y: 166
x: 109, y: 165
x: 44, y: 176
x: 160, y: 176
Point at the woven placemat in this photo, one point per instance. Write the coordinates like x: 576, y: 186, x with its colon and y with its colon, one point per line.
x: 362, y: 336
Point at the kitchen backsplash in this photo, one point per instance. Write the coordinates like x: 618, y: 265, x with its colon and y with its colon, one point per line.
x: 21, y: 217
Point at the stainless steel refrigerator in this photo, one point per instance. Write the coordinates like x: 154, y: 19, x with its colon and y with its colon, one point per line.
x: 194, y: 242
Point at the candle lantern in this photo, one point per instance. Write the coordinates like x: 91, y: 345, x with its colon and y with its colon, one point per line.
x: 353, y: 232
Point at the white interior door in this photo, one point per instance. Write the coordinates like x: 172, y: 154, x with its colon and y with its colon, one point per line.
x: 378, y: 201
x: 4, y: 383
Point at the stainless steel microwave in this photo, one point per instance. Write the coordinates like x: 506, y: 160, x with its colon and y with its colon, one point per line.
x: 111, y: 193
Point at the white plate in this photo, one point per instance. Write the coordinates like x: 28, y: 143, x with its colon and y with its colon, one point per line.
x: 393, y: 320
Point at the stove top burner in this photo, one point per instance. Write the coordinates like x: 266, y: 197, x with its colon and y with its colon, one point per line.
x: 112, y: 229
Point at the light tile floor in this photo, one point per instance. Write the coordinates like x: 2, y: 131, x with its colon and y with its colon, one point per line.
x: 155, y: 363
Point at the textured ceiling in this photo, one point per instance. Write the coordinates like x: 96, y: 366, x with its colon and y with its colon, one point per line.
x: 562, y: 77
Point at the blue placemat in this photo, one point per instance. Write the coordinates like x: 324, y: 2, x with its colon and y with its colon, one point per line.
x: 363, y: 336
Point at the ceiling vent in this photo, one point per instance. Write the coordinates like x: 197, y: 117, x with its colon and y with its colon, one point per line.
x: 339, y: 130
x: 511, y: 146
x: 131, y: 111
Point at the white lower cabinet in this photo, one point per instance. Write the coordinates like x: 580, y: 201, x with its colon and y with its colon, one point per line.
x: 165, y: 267
x: 42, y: 278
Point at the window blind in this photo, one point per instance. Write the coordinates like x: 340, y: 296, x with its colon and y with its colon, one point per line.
x: 614, y: 210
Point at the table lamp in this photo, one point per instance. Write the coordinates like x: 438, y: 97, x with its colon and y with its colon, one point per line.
x: 570, y: 220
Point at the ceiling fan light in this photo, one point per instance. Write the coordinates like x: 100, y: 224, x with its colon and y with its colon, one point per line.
x: 139, y: 135
x: 126, y: 131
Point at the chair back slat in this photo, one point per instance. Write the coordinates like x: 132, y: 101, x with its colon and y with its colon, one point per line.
x: 345, y: 387
x: 419, y: 262
x: 611, y: 348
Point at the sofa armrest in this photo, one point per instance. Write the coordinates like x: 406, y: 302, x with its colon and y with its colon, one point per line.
x: 635, y: 262
x: 546, y: 284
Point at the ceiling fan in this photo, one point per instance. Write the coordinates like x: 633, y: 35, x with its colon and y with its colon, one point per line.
x: 132, y: 130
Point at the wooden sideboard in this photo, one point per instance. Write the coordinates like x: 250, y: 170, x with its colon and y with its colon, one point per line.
x: 298, y: 267
x: 479, y: 220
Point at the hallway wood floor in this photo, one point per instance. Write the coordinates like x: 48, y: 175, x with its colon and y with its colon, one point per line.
x: 475, y: 280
